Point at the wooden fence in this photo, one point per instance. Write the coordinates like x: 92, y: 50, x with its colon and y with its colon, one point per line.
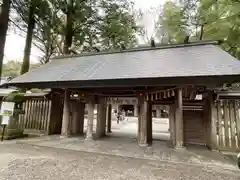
x: 228, y: 125
x: 36, y: 116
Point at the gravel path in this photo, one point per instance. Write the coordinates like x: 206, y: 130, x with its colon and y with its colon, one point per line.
x: 26, y: 162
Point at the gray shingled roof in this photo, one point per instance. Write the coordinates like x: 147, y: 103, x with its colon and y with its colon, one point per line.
x: 190, y: 60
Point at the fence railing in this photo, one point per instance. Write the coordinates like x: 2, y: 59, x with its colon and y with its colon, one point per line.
x: 36, y: 116
x: 228, y: 125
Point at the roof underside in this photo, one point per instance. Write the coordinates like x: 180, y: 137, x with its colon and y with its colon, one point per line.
x: 180, y: 63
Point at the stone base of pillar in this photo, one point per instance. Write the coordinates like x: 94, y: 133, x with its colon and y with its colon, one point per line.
x: 143, y: 144
x: 64, y: 136
x: 88, y: 138
x: 180, y: 148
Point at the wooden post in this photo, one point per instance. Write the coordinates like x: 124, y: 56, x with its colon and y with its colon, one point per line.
x: 81, y: 113
x: 233, y: 123
x: 66, y: 115
x: 220, y: 126
x: 237, y: 117
x: 89, y: 135
x: 78, y: 118
x: 101, y: 118
x: 210, y: 117
x: 158, y: 112
x: 142, y: 120
x: 149, y: 122
x: 56, y: 113
x: 135, y: 110
x: 109, y: 118
x: 179, y: 119
x: 226, y: 123
x: 172, y: 124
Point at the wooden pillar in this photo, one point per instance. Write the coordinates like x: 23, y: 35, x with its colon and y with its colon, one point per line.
x: 172, y: 124
x: 89, y: 135
x: 179, y: 119
x: 101, y: 118
x: 135, y: 110
x: 210, y: 118
x: 149, y: 122
x: 158, y: 112
x: 81, y: 114
x: 109, y: 118
x: 142, y: 120
x: 78, y: 118
x: 55, y: 121
x: 66, y: 115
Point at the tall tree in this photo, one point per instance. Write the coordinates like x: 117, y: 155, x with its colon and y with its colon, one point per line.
x: 32, y: 7
x: 4, y: 18
x: 74, y: 26
x: 171, y: 24
x: 202, y: 20
x: 118, y: 29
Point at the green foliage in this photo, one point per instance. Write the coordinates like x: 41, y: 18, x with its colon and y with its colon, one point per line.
x: 74, y: 26
x: 15, y: 96
x: 171, y: 24
x: 118, y: 27
x: 201, y: 20
x: 13, y: 68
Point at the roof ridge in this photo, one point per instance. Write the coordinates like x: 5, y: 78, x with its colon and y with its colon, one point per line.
x: 145, y: 48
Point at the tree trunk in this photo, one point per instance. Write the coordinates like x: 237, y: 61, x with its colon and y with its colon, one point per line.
x: 4, y: 17
x: 69, y: 28
x: 201, y: 32
x: 28, y: 42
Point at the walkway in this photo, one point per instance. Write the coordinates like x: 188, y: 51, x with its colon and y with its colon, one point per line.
x: 127, y: 147
x: 27, y: 162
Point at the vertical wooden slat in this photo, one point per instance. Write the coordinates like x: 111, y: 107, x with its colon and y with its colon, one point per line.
x: 33, y: 114
x: 232, y: 122
x: 236, y: 111
x: 47, y: 120
x: 28, y: 109
x: 41, y: 101
x: 44, y: 109
x: 38, y: 121
x: 226, y: 121
x: 23, y: 115
x: 44, y: 104
x: 219, y: 116
x: 20, y: 120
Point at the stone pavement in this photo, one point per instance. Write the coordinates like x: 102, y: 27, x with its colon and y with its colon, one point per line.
x: 127, y: 147
x: 27, y: 162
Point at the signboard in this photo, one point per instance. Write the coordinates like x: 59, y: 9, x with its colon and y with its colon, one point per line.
x: 6, y: 111
x: 5, y: 120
